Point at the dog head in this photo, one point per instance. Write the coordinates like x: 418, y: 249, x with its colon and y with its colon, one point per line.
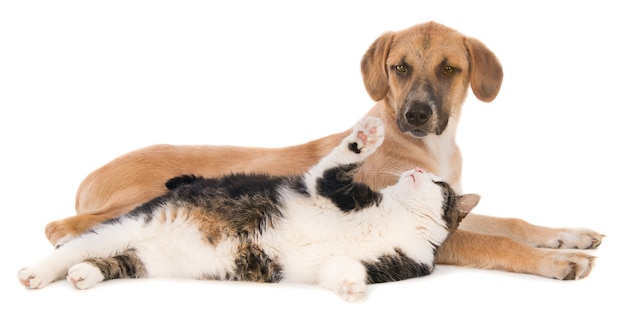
x: 423, y: 73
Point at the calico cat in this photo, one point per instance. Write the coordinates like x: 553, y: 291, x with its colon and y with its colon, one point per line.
x: 319, y: 228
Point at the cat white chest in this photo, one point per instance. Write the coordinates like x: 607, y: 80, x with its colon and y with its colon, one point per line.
x: 310, y: 235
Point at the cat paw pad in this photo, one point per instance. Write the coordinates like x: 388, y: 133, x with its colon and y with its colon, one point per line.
x: 368, y: 135
x: 84, y: 275
x: 353, y: 292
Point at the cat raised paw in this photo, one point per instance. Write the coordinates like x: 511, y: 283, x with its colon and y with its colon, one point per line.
x: 368, y: 134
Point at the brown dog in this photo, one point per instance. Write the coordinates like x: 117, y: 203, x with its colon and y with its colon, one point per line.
x: 419, y: 77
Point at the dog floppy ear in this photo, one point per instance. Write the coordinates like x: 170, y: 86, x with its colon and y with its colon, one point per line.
x: 374, y: 68
x: 486, y: 71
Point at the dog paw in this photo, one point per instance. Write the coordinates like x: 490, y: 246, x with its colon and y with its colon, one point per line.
x: 84, y: 275
x: 567, y: 265
x: 574, y: 239
x: 368, y: 135
x: 32, y: 278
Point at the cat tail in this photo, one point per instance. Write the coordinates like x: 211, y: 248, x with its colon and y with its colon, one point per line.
x: 178, y: 181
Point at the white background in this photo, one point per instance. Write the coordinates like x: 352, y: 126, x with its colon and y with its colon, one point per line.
x: 82, y: 82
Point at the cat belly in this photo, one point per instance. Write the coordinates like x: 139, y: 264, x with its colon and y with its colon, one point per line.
x: 303, y: 250
x: 307, y: 239
x: 179, y: 250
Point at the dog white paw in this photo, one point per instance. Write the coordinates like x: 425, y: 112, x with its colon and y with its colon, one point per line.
x: 368, y: 135
x: 32, y: 278
x: 84, y: 275
x: 574, y: 239
x: 567, y: 265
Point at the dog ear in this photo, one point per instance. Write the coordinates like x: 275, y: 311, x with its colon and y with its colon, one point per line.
x: 374, y: 68
x: 486, y: 71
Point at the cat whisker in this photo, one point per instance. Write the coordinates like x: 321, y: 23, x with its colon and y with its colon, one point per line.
x: 385, y: 171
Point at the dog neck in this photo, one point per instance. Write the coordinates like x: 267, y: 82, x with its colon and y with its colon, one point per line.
x: 444, y: 149
x: 437, y: 153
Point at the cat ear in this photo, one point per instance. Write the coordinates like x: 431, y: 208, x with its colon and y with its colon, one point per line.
x: 466, y: 203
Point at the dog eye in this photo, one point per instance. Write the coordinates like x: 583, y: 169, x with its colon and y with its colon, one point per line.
x: 401, y: 68
x: 449, y: 70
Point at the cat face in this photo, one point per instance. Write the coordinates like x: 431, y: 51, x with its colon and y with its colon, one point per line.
x: 420, y: 188
x: 423, y: 192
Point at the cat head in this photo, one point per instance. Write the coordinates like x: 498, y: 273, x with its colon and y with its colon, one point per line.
x: 423, y: 192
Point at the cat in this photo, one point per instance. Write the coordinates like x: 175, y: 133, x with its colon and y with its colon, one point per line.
x: 320, y: 227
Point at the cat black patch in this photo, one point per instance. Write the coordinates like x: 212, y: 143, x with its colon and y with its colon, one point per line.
x: 354, y: 147
x: 396, y: 267
x: 175, y: 182
x: 338, y: 185
x: 450, y: 212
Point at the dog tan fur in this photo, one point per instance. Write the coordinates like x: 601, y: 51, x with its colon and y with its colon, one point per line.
x: 419, y: 77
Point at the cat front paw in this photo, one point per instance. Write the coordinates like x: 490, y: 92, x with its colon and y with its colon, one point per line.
x: 368, y: 134
x: 32, y: 278
x: 84, y: 275
x: 353, y: 291
x: 574, y: 239
x: 345, y: 276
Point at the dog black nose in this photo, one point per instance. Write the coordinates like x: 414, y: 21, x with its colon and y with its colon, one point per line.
x: 418, y: 114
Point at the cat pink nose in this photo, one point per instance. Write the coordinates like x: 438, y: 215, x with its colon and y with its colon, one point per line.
x: 419, y: 170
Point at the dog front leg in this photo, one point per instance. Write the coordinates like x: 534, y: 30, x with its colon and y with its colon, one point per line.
x: 465, y: 248
x: 533, y: 235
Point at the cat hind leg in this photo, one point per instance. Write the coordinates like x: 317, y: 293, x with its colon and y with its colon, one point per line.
x: 84, y: 275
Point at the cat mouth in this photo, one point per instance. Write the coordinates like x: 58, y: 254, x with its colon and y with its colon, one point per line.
x: 414, y: 174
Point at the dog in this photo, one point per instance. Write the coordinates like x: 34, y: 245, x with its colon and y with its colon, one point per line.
x: 419, y: 78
